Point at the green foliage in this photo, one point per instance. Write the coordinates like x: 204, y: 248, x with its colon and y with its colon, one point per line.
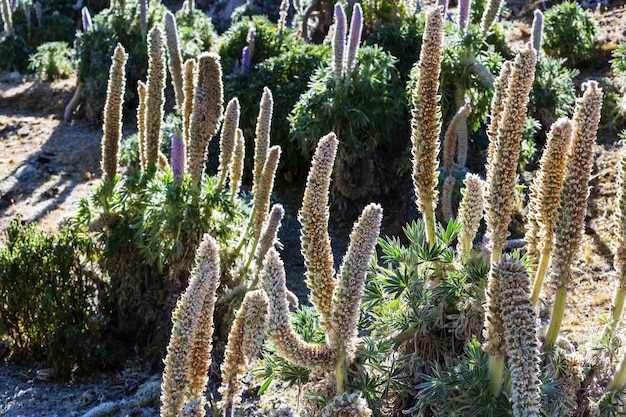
x: 55, y: 27
x: 618, y: 63
x: 53, y: 60
x: 47, y: 298
x: 569, y: 32
x: 195, y: 32
x: 528, y: 147
x: 287, y: 75
x: 14, y: 53
x: 362, y: 109
x: 269, y: 42
x: 553, y: 94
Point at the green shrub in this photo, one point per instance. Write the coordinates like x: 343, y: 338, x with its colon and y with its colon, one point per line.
x: 14, y: 53
x: 55, y: 27
x: 53, y: 60
x: 47, y: 298
x: 553, y: 94
x: 569, y: 32
x: 195, y: 32
x: 362, y: 109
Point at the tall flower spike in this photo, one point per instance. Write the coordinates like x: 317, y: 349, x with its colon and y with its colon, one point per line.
x: 282, y: 15
x: 113, y: 113
x: 544, y: 201
x: 268, y: 237
x: 314, y: 238
x: 464, y: 12
x: 354, y: 39
x: 446, y: 198
x: 261, y: 201
x: 86, y: 19
x: 287, y: 342
x: 202, y: 286
x: 155, y: 97
x: 7, y: 17
x: 470, y: 213
x: 619, y: 261
x: 537, y: 31
x: 228, y: 138
x: 262, y: 143
x: 500, y: 95
x: 178, y: 156
x: 175, y: 59
x: 236, y: 169
x: 244, y: 344
x: 492, y: 9
x: 450, y: 139
x: 339, y: 42
x: 141, y: 123
x: 188, y: 87
x: 499, y: 191
x: 425, y: 122
x: 571, y: 218
x: 347, y: 296
x: 521, y: 338
x: 207, y: 111
x: 503, y: 163
x: 143, y: 18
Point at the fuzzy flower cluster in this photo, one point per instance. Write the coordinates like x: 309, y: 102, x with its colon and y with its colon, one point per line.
x: 193, y: 310
x: 229, y: 136
x: 155, y: 95
x: 207, y: 111
x: 261, y: 201
x: 175, y: 58
x: 537, y: 31
x: 113, y: 113
x: 470, y: 213
x: 262, y: 143
x: 347, y: 405
x: 236, y: 168
x: 521, y: 338
x: 268, y: 237
x: 450, y: 139
x: 315, y: 240
x: 189, y: 71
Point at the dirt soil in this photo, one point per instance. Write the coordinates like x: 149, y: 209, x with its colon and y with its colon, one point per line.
x: 47, y: 165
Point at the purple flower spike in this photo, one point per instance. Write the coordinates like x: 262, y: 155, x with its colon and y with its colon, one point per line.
x: 38, y: 13
x: 464, y: 12
x: 537, y: 32
x: 13, y: 6
x: 444, y: 3
x: 78, y: 5
x: 339, y: 42
x: 245, y: 60
x: 354, y: 40
x: 178, y: 155
x: 86, y: 17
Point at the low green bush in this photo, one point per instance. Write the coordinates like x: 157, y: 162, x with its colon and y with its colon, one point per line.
x: 52, y: 61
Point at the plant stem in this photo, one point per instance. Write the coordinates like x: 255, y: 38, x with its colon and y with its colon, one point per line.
x: 618, y: 377
x: 496, y: 254
x: 496, y: 372
x: 618, y: 299
x: 542, y: 269
x: 556, y: 319
x: 341, y: 372
x: 429, y: 222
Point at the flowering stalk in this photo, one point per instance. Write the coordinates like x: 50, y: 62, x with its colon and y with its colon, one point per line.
x: 619, y: 261
x: 492, y: 9
x: 425, y: 122
x: 262, y: 142
x: 544, y: 201
x: 7, y: 17
x: 571, y: 219
x: 236, y: 169
x: 282, y: 15
x: 450, y: 138
x: 537, y: 31
x: 189, y: 69
x: 141, y: 123
x: 143, y: 18
x: 179, y: 154
x: 446, y: 198
x: 245, y: 60
x: 339, y: 42
x: 228, y: 138
x: 470, y: 214
x: 155, y: 97
x: 504, y: 154
x: 175, y: 59
x: 85, y: 19
x: 354, y: 39
x: 464, y: 12
x: 112, y: 126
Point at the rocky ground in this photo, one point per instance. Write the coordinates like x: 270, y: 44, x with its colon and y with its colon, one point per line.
x: 47, y: 165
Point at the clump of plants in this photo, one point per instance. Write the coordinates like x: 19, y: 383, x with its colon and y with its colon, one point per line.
x: 47, y: 299
x: 52, y: 61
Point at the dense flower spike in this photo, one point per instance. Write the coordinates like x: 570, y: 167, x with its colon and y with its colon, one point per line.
x: 450, y: 139
x: 86, y: 19
x: 503, y: 162
x: 544, y: 201
x: 113, y: 113
x: 354, y: 39
x: 521, y: 338
x: 262, y: 143
x: 175, y: 59
x: 347, y: 405
x: 537, y: 31
x: 347, y: 296
x: 143, y: 17
x: 268, y: 237
x: 7, y: 17
x: 155, y: 97
x: 339, y: 42
x: 470, y: 213
x: 261, y: 201
x: 314, y: 239
x: 287, y: 342
x: 464, y: 12
x: 246, y: 59
x: 236, y: 169
x: 244, y: 344
x: 207, y: 111
x: 619, y: 261
x: 425, y: 122
x: 571, y: 219
x: 228, y: 138
x: 189, y: 70
x: 186, y: 317
x: 179, y: 155
x: 500, y: 95
x: 492, y: 9
x: 141, y: 122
